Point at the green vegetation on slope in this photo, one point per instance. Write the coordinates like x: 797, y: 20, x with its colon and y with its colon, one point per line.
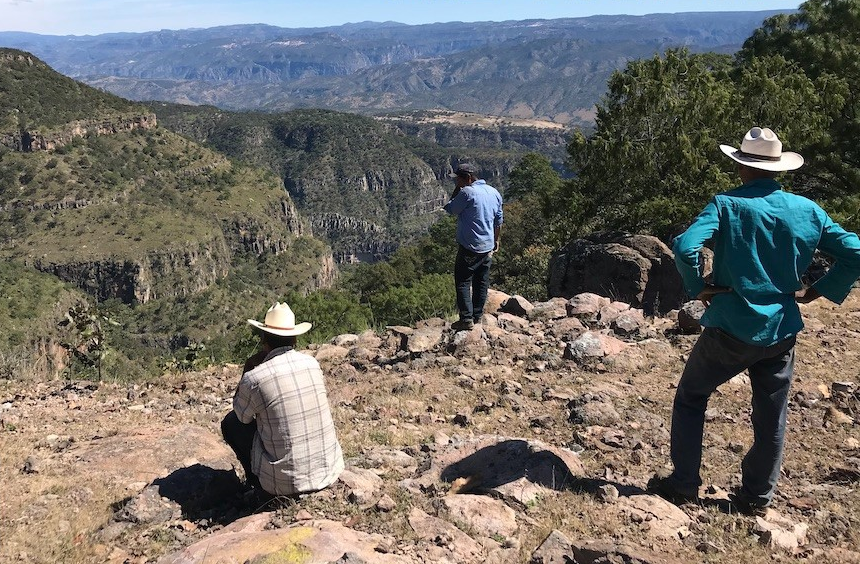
x: 39, y: 98
x: 175, y: 244
x: 387, y: 173
x: 28, y: 303
x: 653, y: 160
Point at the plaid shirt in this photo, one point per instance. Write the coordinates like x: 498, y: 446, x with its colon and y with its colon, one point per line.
x: 295, y: 448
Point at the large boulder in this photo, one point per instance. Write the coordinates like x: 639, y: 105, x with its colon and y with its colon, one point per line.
x: 637, y: 269
x: 513, y: 470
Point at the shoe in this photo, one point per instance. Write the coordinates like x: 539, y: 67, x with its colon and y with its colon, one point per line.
x: 745, y: 506
x: 463, y: 325
x: 667, y: 488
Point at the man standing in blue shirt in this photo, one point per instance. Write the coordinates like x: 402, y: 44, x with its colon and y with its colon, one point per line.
x: 478, y: 208
x: 763, y: 241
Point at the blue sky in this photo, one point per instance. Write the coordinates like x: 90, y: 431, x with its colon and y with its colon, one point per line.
x: 80, y: 17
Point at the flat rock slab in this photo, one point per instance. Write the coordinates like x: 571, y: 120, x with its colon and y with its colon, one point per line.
x: 660, y: 518
x: 599, y: 552
x: 331, y: 353
x: 363, y: 484
x: 514, y: 469
x: 145, y: 454
x: 485, y: 515
x: 558, y: 549
x: 424, y: 339
x: 461, y: 547
x: 310, y: 542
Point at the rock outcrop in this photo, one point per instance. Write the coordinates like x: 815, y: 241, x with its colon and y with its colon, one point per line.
x: 637, y: 269
x: 168, y: 273
x: 35, y: 140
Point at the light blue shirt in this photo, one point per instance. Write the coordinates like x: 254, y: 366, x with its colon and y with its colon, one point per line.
x: 478, y: 208
x: 764, y: 240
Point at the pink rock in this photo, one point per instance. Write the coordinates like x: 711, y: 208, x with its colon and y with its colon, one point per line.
x: 487, y: 516
x: 310, y: 542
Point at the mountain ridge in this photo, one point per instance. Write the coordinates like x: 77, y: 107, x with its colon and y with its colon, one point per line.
x: 361, y: 67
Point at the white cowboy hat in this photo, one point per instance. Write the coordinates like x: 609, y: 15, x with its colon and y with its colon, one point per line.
x: 762, y: 149
x: 280, y: 320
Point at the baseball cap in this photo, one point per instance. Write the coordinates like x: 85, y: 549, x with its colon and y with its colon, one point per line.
x: 464, y: 169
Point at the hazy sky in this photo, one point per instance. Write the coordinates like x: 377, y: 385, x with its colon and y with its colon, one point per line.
x: 81, y: 17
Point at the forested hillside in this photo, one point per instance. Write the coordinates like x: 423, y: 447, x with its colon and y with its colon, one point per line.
x: 367, y: 186
x: 166, y: 234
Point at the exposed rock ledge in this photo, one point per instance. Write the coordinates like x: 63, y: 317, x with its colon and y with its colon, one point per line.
x: 27, y: 141
x: 168, y: 273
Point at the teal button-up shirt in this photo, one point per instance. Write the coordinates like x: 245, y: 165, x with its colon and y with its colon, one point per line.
x: 764, y: 240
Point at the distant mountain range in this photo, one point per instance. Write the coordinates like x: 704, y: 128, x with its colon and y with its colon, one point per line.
x: 545, y: 69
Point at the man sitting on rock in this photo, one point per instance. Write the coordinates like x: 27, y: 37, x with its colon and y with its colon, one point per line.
x: 764, y: 240
x: 281, y: 428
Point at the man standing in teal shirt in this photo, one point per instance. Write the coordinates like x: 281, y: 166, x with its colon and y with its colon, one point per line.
x: 763, y: 241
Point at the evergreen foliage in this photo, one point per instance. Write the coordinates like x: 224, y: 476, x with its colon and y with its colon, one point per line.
x: 653, y: 160
x: 822, y: 42
x: 44, y: 99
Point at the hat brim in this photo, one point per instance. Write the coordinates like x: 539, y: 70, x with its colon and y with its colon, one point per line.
x: 299, y: 329
x: 788, y: 160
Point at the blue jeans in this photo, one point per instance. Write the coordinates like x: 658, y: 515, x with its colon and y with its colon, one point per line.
x: 715, y: 359
x: 472, y: 280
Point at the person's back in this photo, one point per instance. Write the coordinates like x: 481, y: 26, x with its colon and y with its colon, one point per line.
x: 765, y: 240
x: 479, y: 208
x: 296, y: 446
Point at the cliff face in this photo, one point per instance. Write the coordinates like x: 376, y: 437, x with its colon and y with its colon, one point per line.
x: 167, y: 273
x: 327, y: 274
x: 363, y: 214
x: 177, y: 272
x: 538, y: 139
x: 34, y: 140
x: 258, y: 236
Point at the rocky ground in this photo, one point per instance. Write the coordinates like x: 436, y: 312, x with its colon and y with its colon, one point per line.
x: 528, y: 439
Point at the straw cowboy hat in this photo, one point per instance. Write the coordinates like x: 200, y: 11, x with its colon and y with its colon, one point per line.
x: 280, y: 320
x: 762, y: 149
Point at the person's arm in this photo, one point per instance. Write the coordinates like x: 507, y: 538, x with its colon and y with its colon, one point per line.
x: 844, y: 247
x: 498, y: 219
x: 687, y: 247
x: 806, y: 295
x: 457, y: 203
x: 254, y: 361
x: 246, y: 401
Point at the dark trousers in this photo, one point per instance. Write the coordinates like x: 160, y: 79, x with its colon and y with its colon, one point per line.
x: 715, y: 359
x: 472, y: 280
x: 240, y: 437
